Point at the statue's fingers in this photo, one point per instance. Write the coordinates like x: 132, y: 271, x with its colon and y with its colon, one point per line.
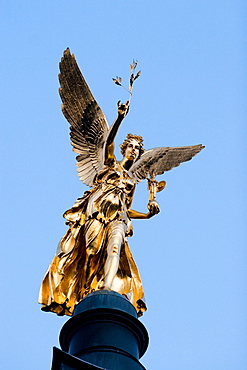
x: 157, y: 209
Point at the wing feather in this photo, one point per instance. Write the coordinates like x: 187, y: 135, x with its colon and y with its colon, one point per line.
x: 156, y: 161
x: 88, y: 125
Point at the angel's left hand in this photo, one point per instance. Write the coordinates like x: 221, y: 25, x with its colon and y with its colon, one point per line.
x: 153, y: 208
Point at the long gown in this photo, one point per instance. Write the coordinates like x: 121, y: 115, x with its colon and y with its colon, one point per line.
x: 78, y: 266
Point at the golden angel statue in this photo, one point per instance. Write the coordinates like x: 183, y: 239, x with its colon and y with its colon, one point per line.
x: 94, y: 253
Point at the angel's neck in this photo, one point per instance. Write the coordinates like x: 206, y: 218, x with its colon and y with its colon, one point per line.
x: 126, y: 163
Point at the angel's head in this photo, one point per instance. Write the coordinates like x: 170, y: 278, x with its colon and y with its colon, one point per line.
x: 132, y: 147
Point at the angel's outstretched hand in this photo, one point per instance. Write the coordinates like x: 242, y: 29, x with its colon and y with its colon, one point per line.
x: 123, y: 109
x: 153, y: 208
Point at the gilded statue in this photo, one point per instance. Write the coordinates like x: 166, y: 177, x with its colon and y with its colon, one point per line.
x: 94, y: 253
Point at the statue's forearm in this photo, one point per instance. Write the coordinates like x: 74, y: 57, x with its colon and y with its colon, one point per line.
x: 114, y: 129
x: 138, y: 215
x: 153, y: 208
x: 109, y: 148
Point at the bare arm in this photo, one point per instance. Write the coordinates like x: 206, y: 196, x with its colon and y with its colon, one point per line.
x: 138, y: 215
x: 109, y: 148
x: 153, y: 208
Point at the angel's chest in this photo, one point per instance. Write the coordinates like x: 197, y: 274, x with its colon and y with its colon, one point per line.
x: 119, y: 178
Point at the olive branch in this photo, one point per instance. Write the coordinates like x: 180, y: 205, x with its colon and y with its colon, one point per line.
x: 133, y: 77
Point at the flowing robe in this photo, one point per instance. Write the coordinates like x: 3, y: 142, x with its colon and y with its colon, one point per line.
x: 78, y: 266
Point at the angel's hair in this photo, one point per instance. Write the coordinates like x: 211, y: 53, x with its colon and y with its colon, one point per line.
x: 129, y: 137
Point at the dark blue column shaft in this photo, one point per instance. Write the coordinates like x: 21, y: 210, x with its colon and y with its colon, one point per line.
x: 104, y: 332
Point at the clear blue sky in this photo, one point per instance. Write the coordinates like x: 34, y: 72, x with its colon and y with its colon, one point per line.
x: 192, y: 256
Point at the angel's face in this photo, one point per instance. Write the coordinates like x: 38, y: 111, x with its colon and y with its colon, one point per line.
x: 132, y: 150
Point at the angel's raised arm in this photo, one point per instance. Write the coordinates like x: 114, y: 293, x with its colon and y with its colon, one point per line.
x: 109, y: 147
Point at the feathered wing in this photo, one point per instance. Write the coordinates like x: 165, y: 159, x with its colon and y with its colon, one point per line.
x: 156, y: 161
x: 88, y: 125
